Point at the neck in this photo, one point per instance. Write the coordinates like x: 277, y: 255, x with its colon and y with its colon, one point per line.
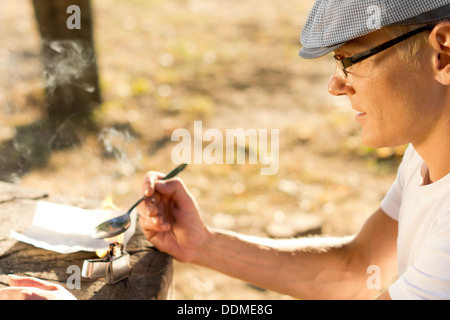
x: 435, y: 151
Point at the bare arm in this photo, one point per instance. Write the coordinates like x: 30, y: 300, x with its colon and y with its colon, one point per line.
x: 298, y: 268
x: 308, y: 268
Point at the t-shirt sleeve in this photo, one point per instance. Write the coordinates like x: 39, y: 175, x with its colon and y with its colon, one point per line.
x: 429, y: 277
x: 392, y: 201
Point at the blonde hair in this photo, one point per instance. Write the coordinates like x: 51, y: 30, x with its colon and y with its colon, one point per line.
x: 409, y: 48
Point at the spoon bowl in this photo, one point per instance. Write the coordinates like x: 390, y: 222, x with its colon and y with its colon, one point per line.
x: 120, y: 224
x: 113, y: 227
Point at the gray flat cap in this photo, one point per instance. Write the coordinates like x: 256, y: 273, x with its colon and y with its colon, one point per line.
x: 332, y: 23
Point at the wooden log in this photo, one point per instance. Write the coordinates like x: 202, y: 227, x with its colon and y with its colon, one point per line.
x: 150, y: 277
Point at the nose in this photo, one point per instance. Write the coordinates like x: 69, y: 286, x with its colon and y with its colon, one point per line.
x: 339, y: 85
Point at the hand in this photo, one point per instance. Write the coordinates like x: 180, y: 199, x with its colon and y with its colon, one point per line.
x: 27, y: 288
x: 170, y: 217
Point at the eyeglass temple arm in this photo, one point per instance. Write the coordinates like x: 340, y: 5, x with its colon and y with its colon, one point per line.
x: 384, y: 46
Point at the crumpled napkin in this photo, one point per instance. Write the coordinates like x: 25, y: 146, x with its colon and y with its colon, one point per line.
x: 67, y: 229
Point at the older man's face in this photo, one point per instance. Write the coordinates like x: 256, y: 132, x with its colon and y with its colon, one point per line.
x: 395, y: 105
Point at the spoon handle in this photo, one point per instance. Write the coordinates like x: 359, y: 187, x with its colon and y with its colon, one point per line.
x: 175, y: 171
x: 170, y: 175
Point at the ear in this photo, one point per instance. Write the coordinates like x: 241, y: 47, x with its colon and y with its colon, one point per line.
x: 439, y: 40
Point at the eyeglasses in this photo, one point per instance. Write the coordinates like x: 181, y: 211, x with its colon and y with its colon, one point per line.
x: 343, y: 64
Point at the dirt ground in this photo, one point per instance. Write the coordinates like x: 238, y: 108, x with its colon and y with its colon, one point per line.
x: 165, y: 64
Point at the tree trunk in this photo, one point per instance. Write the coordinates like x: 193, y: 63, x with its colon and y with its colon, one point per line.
x: 70, y: 68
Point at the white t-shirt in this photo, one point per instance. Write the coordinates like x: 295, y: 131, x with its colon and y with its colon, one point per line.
x: 423, y: 243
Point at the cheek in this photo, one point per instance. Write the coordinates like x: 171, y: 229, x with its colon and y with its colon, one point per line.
x: 397, y: 102
x: 396, y: 91
x: 388, y: 117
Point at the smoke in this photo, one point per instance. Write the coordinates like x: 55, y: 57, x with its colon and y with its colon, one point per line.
x: 120, y: 144
x: 67, y: 62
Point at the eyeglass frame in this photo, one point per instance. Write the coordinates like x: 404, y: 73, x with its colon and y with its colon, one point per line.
x: 345, y: 63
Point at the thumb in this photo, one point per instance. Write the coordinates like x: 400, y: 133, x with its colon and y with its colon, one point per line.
x: 174, y: 188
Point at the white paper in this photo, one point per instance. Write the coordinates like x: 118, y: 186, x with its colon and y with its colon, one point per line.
x: 67, y: 229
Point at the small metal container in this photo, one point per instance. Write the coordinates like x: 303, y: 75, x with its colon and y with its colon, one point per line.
x: 114, y: 267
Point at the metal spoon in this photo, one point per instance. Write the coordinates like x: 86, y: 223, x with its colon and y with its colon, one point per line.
x: 120, y: 224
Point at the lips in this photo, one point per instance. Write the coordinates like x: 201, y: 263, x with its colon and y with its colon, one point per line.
x: 360, y: 116
x: 359, y: 112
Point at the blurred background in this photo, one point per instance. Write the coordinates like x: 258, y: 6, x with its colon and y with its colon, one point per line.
x: 87, y: 118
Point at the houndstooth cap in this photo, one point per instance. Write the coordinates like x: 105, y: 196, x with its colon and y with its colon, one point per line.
x: 332, y: 23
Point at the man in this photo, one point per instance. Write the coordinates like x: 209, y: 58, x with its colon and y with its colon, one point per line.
x: 394, y: 66
x: 400, y: 89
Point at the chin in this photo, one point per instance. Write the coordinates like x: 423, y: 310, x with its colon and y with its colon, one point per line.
x: 378, y: 141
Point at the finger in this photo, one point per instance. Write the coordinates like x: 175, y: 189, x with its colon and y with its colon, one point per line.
x: 147, y: 207
x: 15, y: 293
x: 151, y: 205
x: 149, y: 182
x: 155, y: 223
x: 153, y: 216
x: 16, y: 281
x: 176, y: 190
x: 12, y: 294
